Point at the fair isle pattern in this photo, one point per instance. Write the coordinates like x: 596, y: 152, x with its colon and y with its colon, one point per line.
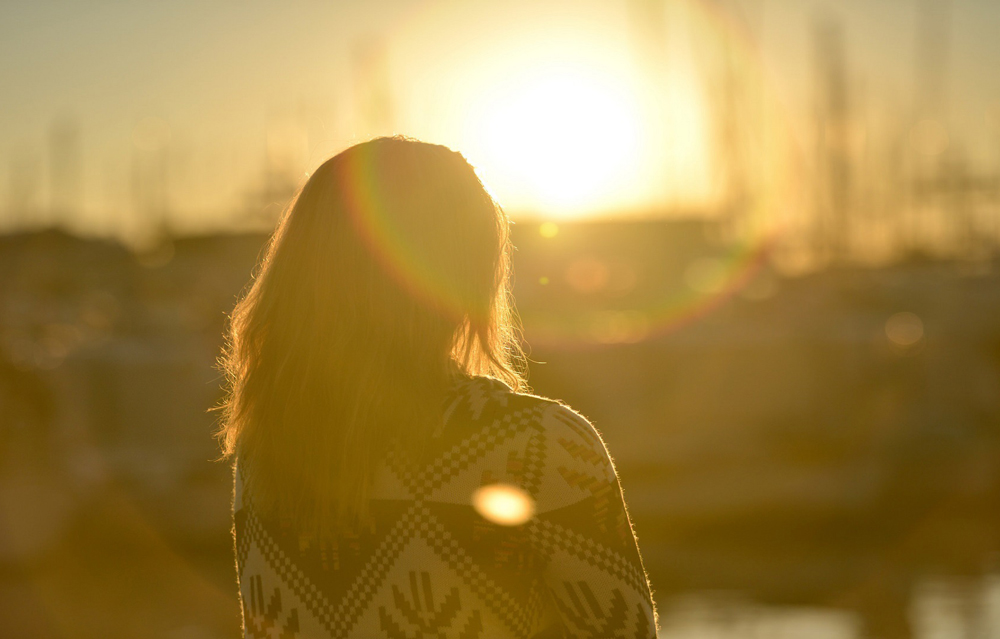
x: 430, y: 566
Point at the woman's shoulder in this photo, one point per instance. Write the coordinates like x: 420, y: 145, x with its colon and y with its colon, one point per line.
x: 562, y: 456
x: 480, y: 395
x: 490, y: 400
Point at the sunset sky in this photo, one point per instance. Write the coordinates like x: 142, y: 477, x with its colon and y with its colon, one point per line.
x: 567, y: 108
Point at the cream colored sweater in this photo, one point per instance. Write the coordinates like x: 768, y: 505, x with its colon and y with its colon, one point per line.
x: 435, y: 565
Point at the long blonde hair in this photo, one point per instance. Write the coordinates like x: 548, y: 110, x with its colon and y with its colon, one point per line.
x: 387, y: 275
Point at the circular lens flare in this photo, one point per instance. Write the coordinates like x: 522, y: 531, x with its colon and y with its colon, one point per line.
x: 563, y: 121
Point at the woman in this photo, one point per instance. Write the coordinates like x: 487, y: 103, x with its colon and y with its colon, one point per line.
x: 392, y: 477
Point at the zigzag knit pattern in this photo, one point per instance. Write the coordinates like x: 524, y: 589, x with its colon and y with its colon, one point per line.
x: 432, y: 566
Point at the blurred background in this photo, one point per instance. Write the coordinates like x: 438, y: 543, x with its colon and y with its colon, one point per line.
x: 758, y: 246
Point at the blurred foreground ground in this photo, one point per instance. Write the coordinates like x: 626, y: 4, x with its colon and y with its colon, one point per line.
x: 810, y: 456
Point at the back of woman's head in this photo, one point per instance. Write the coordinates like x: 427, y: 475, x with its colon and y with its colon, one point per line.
x: 388, y: 274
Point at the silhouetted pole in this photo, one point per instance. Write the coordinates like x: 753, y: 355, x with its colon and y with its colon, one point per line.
x: 933, y: 44
x: 64, y: 170
x: 960, y: 190
x: 648, y: 26
x: 931, y: 105
x: 150, y: 190
x: 943, y: 175
x: 833, y: 142
x: 738, y: 119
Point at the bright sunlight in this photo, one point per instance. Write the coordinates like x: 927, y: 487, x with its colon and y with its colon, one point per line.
x: 569, y: 135
x: 562, y: 120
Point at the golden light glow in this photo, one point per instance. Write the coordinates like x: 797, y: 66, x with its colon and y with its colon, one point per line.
x: 569, y: 134
x: 503, y: 504
x: 564, y: 118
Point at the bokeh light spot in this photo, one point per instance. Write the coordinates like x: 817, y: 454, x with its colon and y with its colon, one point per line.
x: 503, y: 504
x: 548, y: 229
x: 587, y: 275
x: 904, y: 329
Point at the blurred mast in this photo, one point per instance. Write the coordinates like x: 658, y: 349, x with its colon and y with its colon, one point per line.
x: 833, y: 143
x: 64, y: 171
x: 648, y: 23
x: 940, y: 171
x: 739, y: 115
x: 929, y: 114
x: 932, y: 57
x: 149, y: 183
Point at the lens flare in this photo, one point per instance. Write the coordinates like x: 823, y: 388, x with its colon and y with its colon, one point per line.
x: 391, y: 248
x: 706, y: 287
x: 503, y: 504
x: 564, y: 122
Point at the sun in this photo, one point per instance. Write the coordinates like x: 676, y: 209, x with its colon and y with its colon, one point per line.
x: 568, y: 137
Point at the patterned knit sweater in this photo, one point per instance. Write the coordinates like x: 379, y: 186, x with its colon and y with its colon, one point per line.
x: 431, y: 566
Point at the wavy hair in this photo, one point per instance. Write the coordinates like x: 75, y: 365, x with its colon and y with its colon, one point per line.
x: 388, y: 275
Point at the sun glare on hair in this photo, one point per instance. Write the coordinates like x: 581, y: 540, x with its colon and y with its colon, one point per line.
x: 569, y: 135
x: 503, y: 504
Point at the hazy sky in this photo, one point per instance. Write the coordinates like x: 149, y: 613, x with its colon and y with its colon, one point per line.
x: 223, y: 78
